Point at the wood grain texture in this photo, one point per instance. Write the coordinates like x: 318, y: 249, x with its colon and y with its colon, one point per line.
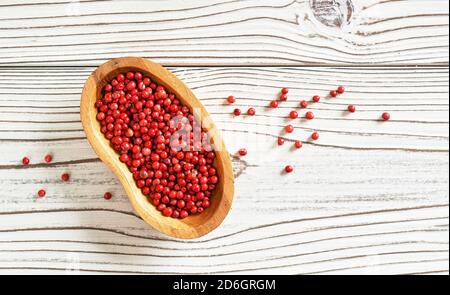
x: 225, y: 32
x: 368, y: 197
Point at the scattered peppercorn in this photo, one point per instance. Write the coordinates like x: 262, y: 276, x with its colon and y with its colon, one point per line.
x: 289, y: 128
x: 284, y: 90
x: 351, y: 108
x: 293, y: 115
x: 274, y: 104
x: 315, y: 136
x: 289, y: 169
x: 41, y: 193
x: 251, y: 112
x: 333, y: 93
x: 280, y: 141
x: 242, y: 152
x: 303, y: 104
x: 340, y: 89
x: 298, y: 144
x: 65, y: 177
x: 385, y: 116
x: 231, y: 99
x: 107, y: 196
x: 237, y: 112
x: 309, y: 115
x: 25, y: 161
x: 48, y: 158
x: 316, y: 98
x: 283, y: 97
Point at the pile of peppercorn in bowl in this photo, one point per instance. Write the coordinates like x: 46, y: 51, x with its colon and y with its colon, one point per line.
x: 159, y: 140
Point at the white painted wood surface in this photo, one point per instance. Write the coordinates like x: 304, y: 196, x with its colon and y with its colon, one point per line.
x: 231, y: 32
x: 368, y: 197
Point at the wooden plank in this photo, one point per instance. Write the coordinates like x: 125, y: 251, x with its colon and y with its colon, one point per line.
x: 225, y: 32
x: 43, y: 104
x: 368, y: 197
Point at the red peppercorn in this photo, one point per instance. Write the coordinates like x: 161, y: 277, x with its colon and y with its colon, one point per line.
x: 316, y: 98
x: 107, y: 196
x: 293, y: 115
x: 351, y: 108
x: 138, y: 76
x: 284, y: 90
x: 289, y: 128
x: 175, y: 214
x: 280, y: 141
x: 315, y: 136
x: 298, y: 144
x: 65, y: 177
x: 48, y: 158
x: 231, y: 99
x: 242, y: 152
x: 183, y: 214
x: 340, y: 89
x: 309, y: 115
x: 138, y: 117
x: 131, y: 85
x: 303, y: 104
x: 274, y: 104
x: 237, y: 112
x: 385, y: 116
x: 25, y: 161
x: 288, y: 169
x: 167, y: 211
x: 41, y: 193
x: 333, y: 93
x: 181, y: 204
x: 251, y: 112
x: 130, y: 75
x: 283, y: 97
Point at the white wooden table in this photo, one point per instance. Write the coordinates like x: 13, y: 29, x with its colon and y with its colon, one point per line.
x: 368, y: 197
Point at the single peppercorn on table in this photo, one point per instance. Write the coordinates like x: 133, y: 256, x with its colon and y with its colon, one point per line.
x: 367, y: 196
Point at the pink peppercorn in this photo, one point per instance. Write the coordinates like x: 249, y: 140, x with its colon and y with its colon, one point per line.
x: 289, y: 169
x: 65, y: 177
x: 25, y: 161
x: 309, y: 115
x: 242, y: 152
x: 41, y: 193
x: 48, y: 158
x: 385, y: 116
x: 231, y: 99
x: 136, y: 116
x: 293, y: 115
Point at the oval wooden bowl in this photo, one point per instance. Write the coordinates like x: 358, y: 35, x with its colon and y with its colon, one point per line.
x: 193, y: 226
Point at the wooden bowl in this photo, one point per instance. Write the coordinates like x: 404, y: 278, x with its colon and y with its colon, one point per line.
x: 193, y: 226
